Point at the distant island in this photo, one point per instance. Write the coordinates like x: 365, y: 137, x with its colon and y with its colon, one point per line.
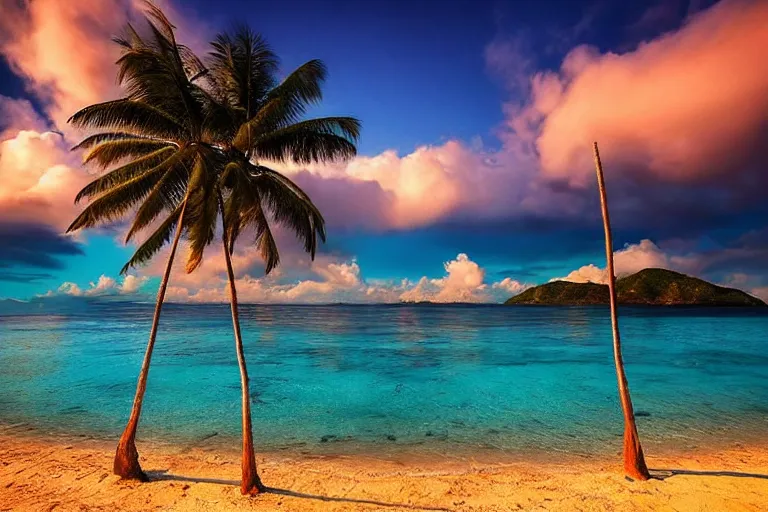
x: 652, y: 286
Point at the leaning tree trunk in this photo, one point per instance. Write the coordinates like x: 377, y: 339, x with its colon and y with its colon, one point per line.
x: 634, y: 462
x: 250, y: 482
x: 126, y: 463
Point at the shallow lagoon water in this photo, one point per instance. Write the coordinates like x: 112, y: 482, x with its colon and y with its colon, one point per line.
x: 378, y: 378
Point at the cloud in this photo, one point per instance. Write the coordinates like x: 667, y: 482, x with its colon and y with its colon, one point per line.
x: 634, y: 258
x: 741, y: 266
x: 510, y: 286
x: 64, y: 50
x: 760, y: 292
x: 67, y: 288
x: 23, y: 277
x: 105, y: 286
x: 342, y: 281
x: 33, y: 245
x: 463, y: 283
x: 131, y: 283
x: 39, y: 179
x: 686, y: 106
x: 430, y: 185
x: 681, y: 121
x: 680, y: 118
x: 586, y: 274
x: 511, y: 60
x: 18, y: 114
x: 65, y: 54
x: 39, y: 182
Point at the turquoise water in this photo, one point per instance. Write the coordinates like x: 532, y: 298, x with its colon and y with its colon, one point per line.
x: 402, y: 377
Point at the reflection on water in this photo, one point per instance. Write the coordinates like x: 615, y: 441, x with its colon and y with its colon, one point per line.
x: 419, y: 378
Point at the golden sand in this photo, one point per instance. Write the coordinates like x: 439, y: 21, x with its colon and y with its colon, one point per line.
x: 39, y: 475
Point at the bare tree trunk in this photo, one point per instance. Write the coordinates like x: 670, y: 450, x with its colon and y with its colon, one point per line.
x: 634, y: 461
x: 250, y: 483
x: 126, y: 463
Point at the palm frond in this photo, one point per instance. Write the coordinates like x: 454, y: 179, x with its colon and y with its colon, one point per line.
x: 154, y: 242
x: 252, y: 214
x: 242, y: 69
x: 303, y: 86
x: 232, y: 214
x: 98, y: 138
x: 291, y: 210
x: 166, y: 195
x: 315, y: 140
x: 317, y: 217
x: 266, y: 244
x: 109, y: 152
x: 128, y: 115
x: 159, y: 71
x: 116, y: 201
x: 127, y: 172
x: 203, y: 204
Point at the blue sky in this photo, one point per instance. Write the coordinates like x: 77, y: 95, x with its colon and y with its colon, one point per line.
x: 419, y: 74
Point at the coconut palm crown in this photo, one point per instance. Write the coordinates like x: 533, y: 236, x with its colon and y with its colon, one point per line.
x: 262, y: 122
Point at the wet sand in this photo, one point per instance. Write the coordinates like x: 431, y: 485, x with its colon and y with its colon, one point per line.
x: 63, y: 475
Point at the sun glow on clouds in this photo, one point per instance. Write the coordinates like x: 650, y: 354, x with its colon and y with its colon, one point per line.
x: 342, y: 282
x: 634, y: 258
x: 646, y: 254
x: 684, y: 107
x: 38, y: 180
x: 63, y: 48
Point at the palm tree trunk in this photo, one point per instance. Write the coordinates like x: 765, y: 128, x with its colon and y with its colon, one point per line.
x: 250, y: 483
x: 634, y: 461
x: 126, y: 463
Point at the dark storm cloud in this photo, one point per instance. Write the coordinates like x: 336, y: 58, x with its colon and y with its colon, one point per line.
x: 38, y: 246
x: 23, y: 277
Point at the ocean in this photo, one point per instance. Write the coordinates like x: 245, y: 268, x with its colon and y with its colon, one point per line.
x: 383, y: 379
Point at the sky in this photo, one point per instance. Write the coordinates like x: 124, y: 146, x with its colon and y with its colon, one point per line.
x: 474, y: 178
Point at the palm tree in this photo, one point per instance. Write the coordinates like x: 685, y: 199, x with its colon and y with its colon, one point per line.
x: 261, y: 121
x: 634, y: 461
x: 155, y: 133
x: 196, y: 152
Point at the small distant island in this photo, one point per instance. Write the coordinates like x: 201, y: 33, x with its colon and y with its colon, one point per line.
x: 651, y: 286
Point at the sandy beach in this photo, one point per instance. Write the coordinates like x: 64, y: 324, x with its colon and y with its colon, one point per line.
x: 65, y: 475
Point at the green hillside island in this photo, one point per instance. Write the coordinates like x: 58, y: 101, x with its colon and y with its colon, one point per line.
x: 652, y: 286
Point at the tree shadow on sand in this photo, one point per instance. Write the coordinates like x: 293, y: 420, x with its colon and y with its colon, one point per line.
x: 663, y: 474
x: 164, y: 475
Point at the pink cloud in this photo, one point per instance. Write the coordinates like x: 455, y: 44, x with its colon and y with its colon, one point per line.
x: 682, y: 105
x: 510, y: 286
x: 634, y: 258
x: 587, y: 274
x: 342, y: 281
x: 431, y: 184
x: 685, y: 106
x: 64, y: 50
x: 39, y: 180
x: 463, y: 282
x: 760, y: 292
